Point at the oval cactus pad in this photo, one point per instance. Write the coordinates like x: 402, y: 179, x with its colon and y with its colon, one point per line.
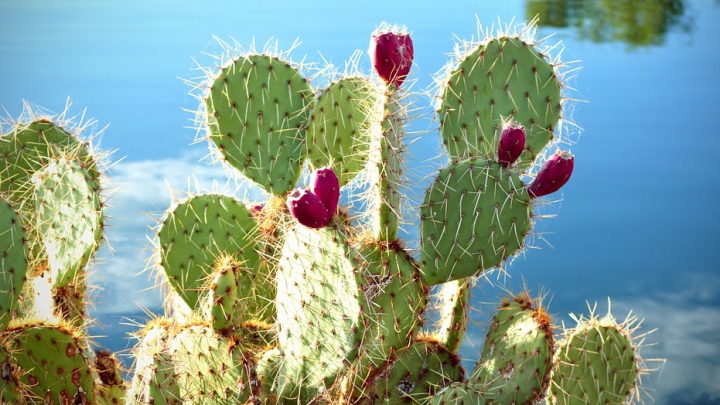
x: 503, y: 79
x: 339, y: 134
x: 475, y: 215
x: 196, y: 233
x: 257, y: 111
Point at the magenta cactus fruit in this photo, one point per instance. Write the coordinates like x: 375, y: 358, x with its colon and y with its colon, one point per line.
x: 307, y: 208
x: 326, y: 187
x: 554, y: 174
x: 391, y: 53
x: 512, y: 143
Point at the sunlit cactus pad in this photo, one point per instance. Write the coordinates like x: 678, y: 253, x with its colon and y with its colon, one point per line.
x: 342, y: 120
x: 13, y: 260
x: 258, y: 108
x: 597, y: 364
x: 505, y: 78
x: 475, y: 215
x: 70, y: 217
x: 197, y: 232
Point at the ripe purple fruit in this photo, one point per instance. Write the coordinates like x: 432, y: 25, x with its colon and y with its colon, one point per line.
x: 307, y: 208
x: 391, y: 54
x: 326, y: 187
x: 554, y: 174
x: 512, y: 143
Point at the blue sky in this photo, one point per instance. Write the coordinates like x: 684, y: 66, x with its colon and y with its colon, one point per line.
x: 637, y: 222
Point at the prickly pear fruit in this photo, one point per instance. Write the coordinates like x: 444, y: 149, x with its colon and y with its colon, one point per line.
x: 326, y: 187
x: 512, y: 143
x: 307, y: 208
x: 391, y: 52
x: 554, y: 174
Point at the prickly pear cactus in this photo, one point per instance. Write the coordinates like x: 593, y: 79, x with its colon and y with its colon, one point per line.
x: 315, y: 296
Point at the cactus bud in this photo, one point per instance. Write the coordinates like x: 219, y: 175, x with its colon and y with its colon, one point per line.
x: 554, y: 174
x: 326, y: 187
x: 512, y: 143
x: 307, y: 208
x: 391, y: 54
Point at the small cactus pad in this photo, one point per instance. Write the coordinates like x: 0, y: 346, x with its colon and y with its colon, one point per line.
x: 319, y: 306
x: 453, y: 297
x: 416, y: 374
x: 70, y: 217
x: 222, y: 294
x: 342, y: 120
x: 197, y: 232
x: 505, y: 78
x: 13, y: 261
x: 514, y: 367
x: 596, y: 364
x: 475, y: 215
x: 51, y: 363
x: 258, y: 109
x: 154, y: 381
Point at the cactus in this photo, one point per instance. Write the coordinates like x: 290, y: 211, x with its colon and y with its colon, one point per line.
x: 302, y: 299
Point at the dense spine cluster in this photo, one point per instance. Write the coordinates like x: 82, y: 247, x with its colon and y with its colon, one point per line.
x: 301, y: 300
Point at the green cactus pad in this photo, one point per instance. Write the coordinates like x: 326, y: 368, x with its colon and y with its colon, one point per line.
x: 517, y: 356
x: 258, y: 109
x: 13, y: 261
x: 197, y: 232
x: 339, y: 135
x: 475, y: 215
x: 397, y: 298
x: 211, y: 369
x: 454, y: 298
x: 70, y: 217
x: 222, y: 294
x: 416, y: 374
x: 154, y: 378
x: 460, y: 394
x: 319, y: 306
x: 51, y: 363
x: 505, y: 78
x: 596, y: 364
x: 30, y: 147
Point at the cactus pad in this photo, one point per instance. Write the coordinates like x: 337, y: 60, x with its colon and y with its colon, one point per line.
x: 416, y: 374
x: 475, y: 215
x: 319, y: 305
x: 597, y: 364
x: 258, y: 109
x: 517, y: 356
x: 197, y: 232
x: 51, y: 363
x: 505, y: 78
x: 339, y: 135
x: 70, y: 217
x: 13, y: 261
